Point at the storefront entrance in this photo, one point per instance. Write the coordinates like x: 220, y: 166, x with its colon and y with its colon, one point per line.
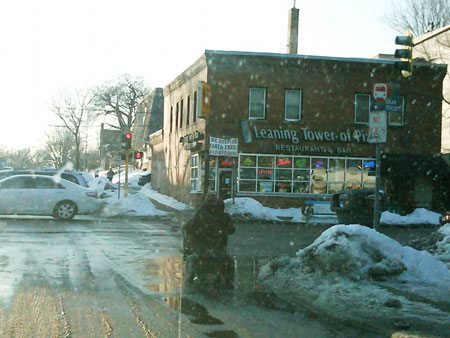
x: 225, y: 183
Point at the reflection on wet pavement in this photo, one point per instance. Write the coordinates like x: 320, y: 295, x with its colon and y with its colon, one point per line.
x: 197, y: 313
x: 171, y: 270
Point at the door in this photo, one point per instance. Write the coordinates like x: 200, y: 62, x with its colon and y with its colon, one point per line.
x: 15, y: 195
x: 225, y: 183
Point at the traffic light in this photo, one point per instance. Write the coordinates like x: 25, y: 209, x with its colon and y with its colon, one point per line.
x: 139, y: 155
x: 406, y: 54
x: 126, y: 141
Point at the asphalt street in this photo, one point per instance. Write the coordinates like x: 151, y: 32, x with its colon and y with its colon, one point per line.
x: 125, y: 278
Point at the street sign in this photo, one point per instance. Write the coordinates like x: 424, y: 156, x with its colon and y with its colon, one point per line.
x: 223, y: 147
x: 377, y: 127
x: 381, y: 92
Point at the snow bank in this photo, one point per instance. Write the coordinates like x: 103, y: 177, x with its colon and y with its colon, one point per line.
x: 133, y: 177
x: 418, y: 216
x: 249, y: 209
x: 134, y: 205
x: 443, y: 246
x: 357, y: 252
x: 163, y: 199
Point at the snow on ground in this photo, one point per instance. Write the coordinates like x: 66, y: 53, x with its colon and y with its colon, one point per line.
x: 418, y: 216
x: 134, y: 205
x: 163, y: 199
x: 356, y: 274
x: 133, y: 177
x: 443, y: 246
x: 249, y: 208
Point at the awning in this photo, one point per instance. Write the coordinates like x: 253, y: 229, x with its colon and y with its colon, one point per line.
x: 405, y: 165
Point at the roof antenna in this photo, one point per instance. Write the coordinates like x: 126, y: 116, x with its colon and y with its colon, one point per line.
x: 294, y: 3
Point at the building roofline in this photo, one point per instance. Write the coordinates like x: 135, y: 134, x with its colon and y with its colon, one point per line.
x: 430, y: 35
x: 313, y: 57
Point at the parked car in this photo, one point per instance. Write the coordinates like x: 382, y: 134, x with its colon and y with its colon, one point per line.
x: 144, y: 179
x: 74, y: 177
x: 44, y: 195
x: 356, y: 206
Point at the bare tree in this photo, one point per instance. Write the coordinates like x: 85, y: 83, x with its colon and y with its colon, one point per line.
x: 22, y: 159
x: 419, y: 16
x: 75, y: 109
x: 59, y: 148
x: 120, y: 98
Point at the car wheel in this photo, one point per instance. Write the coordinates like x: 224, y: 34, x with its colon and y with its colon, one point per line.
x: 65, y: 210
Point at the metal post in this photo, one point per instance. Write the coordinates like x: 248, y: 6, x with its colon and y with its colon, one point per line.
x: 127, y: 158
x: 118, y: 190
x: 376, y: 205
x: 233, y: 178
x: 206, y: 175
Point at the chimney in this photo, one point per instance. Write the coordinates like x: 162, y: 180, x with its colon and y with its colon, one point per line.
x: 293, y: 30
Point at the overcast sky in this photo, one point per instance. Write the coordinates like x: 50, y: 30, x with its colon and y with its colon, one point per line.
x: 49, y: 45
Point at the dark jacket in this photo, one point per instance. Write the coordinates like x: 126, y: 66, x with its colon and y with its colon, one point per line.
x: 207, y: 232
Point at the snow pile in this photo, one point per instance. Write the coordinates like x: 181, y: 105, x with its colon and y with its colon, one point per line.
x: 163, y: 199
x: 250, y: 209
x: 443, y: 246
x: 133, y: 205
x: 355, y: 275
x: 358, y: 252
x: 133, y: 177
x: 418, y: 216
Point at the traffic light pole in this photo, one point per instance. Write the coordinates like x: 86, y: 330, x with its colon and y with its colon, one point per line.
x: 127, y: 158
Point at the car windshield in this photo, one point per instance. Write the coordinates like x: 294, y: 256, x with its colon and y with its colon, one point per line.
x: 225, y: 168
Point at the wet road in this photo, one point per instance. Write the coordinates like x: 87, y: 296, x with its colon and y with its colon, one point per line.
x: 94, y: 278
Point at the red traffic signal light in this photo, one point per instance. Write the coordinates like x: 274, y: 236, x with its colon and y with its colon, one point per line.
x: 126, y: 141
x: 139, y: 155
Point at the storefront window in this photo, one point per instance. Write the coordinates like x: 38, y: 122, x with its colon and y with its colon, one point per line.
x: 247, y: 161
x: 265, y: 161
x: 265, y: 186
x: 247, y: 173
x: 245, y: 185
x: 266, y: 174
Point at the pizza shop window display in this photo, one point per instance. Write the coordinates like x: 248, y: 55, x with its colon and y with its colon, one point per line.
x: 265, y: 174
x: 283, y: 174
x: 319, y: 175
x: 302, y: 175
x: 247, y: 173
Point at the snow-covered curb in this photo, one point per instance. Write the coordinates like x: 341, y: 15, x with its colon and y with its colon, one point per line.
x: 163, y: 199
x: 354, y: 274
x: 418, y: 216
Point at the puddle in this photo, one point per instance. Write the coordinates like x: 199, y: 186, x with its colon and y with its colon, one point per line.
x: 197, y: 313
x: 171, y: 272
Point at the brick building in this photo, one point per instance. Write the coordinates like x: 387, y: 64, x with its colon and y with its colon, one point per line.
x: 301, y: 123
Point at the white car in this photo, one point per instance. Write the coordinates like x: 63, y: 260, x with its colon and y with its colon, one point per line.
x: 45, y: 195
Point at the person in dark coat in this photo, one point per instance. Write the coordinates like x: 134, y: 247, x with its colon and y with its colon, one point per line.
x: 207, y: 232
x: 110, y: 174
x: 205, y: 239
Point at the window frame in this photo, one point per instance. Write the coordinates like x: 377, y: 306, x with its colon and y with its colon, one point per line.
x: 299, y: 104
x: 250, y: 103
x: 192, y: 170
x: 355, y: 108
x: 402, y: 123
